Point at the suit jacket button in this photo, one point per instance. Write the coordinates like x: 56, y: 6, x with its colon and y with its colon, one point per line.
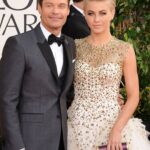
x: 58, y: 116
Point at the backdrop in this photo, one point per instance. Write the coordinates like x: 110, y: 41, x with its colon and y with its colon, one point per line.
x: 16, y: 16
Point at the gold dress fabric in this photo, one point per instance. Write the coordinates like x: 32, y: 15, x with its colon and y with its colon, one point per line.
x: 91, y: 116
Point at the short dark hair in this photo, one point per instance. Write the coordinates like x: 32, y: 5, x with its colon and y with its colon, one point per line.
x: 77, y: 1
x: 41, y: 1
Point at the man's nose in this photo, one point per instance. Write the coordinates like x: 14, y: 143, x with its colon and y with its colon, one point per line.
x: 55, y: 10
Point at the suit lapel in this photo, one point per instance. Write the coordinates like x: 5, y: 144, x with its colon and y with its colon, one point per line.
x: 46, y: 51
x: 69, y: 62
x: 47, y: 54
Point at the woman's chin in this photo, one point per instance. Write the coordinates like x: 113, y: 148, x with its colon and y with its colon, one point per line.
x: 98, y: 31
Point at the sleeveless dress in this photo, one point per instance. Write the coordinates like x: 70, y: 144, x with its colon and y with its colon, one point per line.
x: 95, y: 108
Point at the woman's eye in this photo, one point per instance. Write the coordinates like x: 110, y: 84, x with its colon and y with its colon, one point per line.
x: 90, y: 14
x: 103, y: 13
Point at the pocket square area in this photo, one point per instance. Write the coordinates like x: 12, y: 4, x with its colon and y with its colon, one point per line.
x: 73, y: 60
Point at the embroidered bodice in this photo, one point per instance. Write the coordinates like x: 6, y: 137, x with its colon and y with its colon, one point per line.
x: 98, y: 72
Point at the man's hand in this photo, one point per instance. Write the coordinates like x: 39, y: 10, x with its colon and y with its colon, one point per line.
x: 120, y: 100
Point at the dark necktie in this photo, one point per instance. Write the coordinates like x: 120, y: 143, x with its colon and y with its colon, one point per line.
x: 52, y: 38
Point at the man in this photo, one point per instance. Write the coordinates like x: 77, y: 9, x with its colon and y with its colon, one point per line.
x: 36, y: 72
x: 76, y: 26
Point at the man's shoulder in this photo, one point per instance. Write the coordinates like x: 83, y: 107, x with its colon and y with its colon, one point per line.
x: 68, y: 38
x: 26, y: 39
x: 26, y: 36
x: 22, y: 35
x: 74, y: 12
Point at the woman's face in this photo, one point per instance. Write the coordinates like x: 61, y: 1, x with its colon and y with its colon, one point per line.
x: 98, y: 15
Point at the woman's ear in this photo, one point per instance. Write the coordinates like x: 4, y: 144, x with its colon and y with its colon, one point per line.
x: 113, y: 13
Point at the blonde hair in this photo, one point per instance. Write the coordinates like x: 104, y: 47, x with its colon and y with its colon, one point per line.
x: 113, y: 2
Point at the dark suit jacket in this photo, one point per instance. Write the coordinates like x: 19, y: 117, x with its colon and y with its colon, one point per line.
x: 76, y: 26
x: 33, y: 106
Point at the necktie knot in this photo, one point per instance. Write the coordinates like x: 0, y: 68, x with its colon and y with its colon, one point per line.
x: 52, y: 38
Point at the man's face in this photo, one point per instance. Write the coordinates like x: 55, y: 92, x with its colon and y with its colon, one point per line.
x: 54, y: 13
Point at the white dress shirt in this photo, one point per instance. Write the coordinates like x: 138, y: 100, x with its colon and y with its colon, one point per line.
x: 56, y: 50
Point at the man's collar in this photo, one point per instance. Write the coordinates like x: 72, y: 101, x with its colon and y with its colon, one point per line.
x: 46, y: 32
x: 78, y: 9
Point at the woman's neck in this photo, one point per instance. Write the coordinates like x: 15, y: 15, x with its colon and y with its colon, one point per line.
x: 98, y: 39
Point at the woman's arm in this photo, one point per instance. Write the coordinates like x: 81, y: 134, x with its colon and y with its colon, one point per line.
x: 132, y: 89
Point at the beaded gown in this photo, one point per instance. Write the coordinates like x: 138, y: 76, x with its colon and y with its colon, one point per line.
x: 95, y: 108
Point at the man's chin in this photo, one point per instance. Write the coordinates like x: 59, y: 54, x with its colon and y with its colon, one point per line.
x: 56, y: 27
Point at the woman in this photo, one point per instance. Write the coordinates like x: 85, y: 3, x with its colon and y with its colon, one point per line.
x: 95, y: 117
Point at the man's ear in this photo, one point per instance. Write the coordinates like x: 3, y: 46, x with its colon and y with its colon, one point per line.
x: 68, y: 10
x: 39, y: 9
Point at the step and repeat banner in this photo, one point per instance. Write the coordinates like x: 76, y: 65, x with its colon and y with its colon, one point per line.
x: 16, y: 16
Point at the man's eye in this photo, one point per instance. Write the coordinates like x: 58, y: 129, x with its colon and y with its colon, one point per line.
x: 48, y: 5
x: 63, y: 6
